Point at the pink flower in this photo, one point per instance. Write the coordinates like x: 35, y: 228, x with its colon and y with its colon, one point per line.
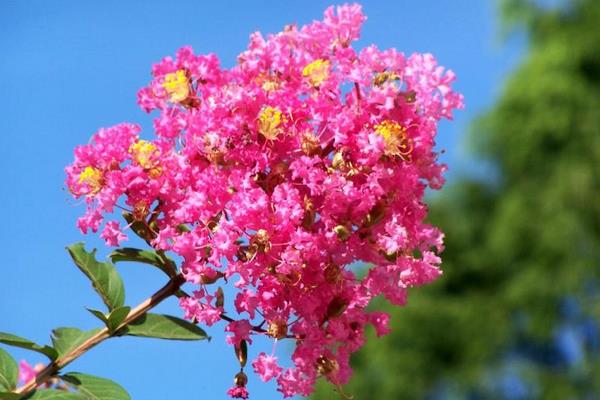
x: 198, y: 308
x: 112, y: 234
x: 380, y: 321
x: 266, y: 367
x: 241, y: 331
x: 246, y: 301
x: 238, y: 392
x: 26, y: 372
x: 90, y: 220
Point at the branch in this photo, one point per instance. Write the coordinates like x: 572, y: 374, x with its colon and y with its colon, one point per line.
x: 52, y: 368
x: 358, y: 96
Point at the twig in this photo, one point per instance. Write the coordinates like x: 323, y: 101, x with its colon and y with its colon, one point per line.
x: 52, y: 368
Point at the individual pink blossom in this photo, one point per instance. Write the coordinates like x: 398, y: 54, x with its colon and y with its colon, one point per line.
x: 380, y: 321
x: 202, y: 312
x: 241, y: 331
x: 238, y: 392
x: 91, y: 220
x: 26, y: 372
x: 246, y: 301
x: 266, y: 367
x: 112, y: 234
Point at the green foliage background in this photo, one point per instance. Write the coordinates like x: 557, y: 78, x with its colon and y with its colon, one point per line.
x: 517, y: 244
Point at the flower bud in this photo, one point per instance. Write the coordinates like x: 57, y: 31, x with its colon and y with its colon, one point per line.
x: 327, y: 366
x: 207, y: 279
x: 275, y: 177
x: 240, y: 379
x: 245, y: 253
x: 241, y: 352
x: 309, y: 213
x: 336, y: 307
x: 220, y: 297
x: 213, y: 222
x: 310, y: 144
x: 391, y: 257
x: 140, y: 211
x: 338, y: 160
x: 332, y: 273
x: 182, y: 228
x: 410, y: 97
x: 375, y: 215
x: 342, y: 232
x: 260, y: 241
x: 277, y: 329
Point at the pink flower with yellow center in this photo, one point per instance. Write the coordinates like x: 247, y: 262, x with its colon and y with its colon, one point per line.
x: 144, y: 153
x: 92, y: 177
x: 317, y: 72
x: 394, y: 137
x: 269, y: 122
x: 177, y: 86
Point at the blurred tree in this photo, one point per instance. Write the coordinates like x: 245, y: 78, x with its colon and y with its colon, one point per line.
x: 515, y: 315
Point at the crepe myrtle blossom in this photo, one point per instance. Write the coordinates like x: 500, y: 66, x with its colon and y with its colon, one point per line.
x: 28, y: 372
x: 277, y: 174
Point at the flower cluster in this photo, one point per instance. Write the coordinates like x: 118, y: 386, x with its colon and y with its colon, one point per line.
x: 279, y: 174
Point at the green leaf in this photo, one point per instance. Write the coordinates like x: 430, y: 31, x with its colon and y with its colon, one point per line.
x: 52, y: 394
x: 165, y: 327
x: 117, y: 316
x: 150, y: 257
x: 66, y: 339
x: 96, y: 388
x: 99, y: 314
x: 8, y: 371
x: 17, y: 341
x: 104, y: 276
x: 9, y: 396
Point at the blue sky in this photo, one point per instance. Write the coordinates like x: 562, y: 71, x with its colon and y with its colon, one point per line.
x: 70, y: 67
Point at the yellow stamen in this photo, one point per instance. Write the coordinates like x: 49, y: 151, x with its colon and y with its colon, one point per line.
x: 394, y: 137
x: 316, y: 72
x: 383, y: 77
x: 269, y: 86
x: 177, y: 86
x: 92, y: 177
x: 155, y: 173
x: 269, y: 122
x: 268, y: 82
x: 144, y: 153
